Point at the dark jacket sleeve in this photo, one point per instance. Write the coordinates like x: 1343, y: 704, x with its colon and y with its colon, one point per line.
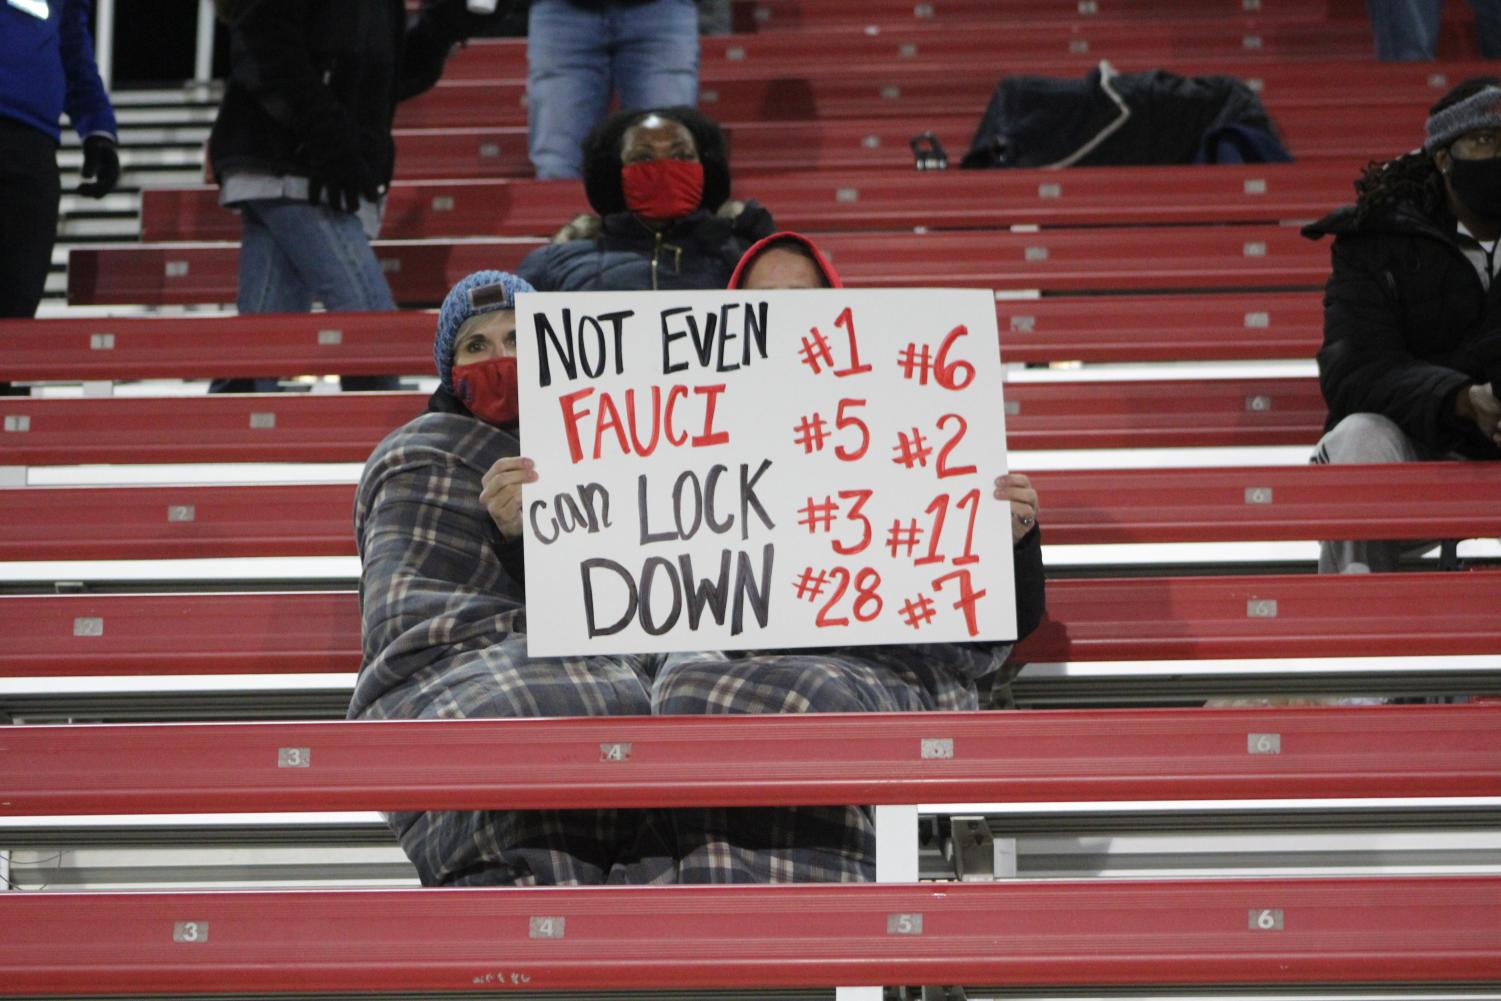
x: 1031, y: 586
x: 86, y: 102
x: 1365, y: 365
x: 274, y: 64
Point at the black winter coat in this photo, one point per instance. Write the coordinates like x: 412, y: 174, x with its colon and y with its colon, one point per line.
x: 300, y: 69
x: 1406, y: 324
x: 699, y: 251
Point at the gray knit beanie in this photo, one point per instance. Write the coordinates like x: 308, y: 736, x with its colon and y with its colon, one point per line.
x: 1481, y: 110
x: 459, y: 305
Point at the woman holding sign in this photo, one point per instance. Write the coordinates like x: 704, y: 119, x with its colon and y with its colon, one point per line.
x: 660, y: 181
x: 438, y: 521
x: 444, y: 619
x: 829, y: 844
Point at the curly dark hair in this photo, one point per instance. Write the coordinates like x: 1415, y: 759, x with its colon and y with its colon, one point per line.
x: 602, y: 156
x: 1412, y: 178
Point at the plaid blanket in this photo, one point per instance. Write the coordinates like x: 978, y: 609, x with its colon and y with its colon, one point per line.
x: 444, y: 632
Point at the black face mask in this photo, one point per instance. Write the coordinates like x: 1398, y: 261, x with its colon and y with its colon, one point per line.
x: 1478, y: 185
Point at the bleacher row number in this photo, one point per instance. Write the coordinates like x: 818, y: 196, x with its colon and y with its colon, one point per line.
x: 614, y: 752
x: 17, y: 423
x: 904, y: 924
x: 1263, y: 743
x: 262, y: 421
x: 1258, y: 495
x: 1023, y: 324
x: 1251, y: 43
x: 176, y: 269
x: 86, y: 625
x: 1250, y: 4
x: 1261, y: 608
x: 1258, y: 404
x: 937, y: 748
x: 1258, y: 321
x: 101, y: 342
x: 328, y: 338
x: 181, y: 512
x: 1268, y: 919
x: 548, y: 927
x: 1088, y: 7
x: 1254, y: 186
x: 294, y: 757
x: 442, y: 203
x: 190, y: 932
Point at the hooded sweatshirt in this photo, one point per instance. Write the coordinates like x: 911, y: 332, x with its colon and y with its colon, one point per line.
x: 966, y: 660
x: 758, y: 248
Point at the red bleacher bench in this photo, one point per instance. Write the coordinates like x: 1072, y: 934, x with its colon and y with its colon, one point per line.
x: 1135, y: 259
x: 1089, y: 932
x: 1420, y: 500
x: 813, y: 201
x: 1096, y: 328
x: 998, y: 42
x: 785, y: 759
x: 346, y: 427
x: 455, y: 141
x: 1270, y: 617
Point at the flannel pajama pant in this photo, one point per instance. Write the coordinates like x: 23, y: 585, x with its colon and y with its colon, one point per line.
x: 739, y: 845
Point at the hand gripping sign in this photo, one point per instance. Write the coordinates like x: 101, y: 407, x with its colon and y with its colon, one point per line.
x: 751, y: 470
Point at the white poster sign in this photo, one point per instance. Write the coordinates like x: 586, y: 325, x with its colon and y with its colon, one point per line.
x: 747, y: 470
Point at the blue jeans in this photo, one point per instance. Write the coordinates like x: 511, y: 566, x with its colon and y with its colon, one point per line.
x: 575, y: 57
x: 1408, y: 29
x: 292, y: 253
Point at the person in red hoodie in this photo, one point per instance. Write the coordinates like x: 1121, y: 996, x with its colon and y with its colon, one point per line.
x: 828, y: 843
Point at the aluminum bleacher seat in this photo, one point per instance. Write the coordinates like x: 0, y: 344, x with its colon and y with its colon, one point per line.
x: 1108, y: 196
x: 1133, y: 259
x: 1103, y: 328
x: 789, y: 759
x: 996, y: 42
x: 1132, y: 639
x: 1277, y: 933
x: 469, y: 149
x: 1427, y: 500
x: 347, y: 427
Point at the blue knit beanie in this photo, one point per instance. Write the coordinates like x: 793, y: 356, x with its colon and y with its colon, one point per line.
x: 458, y: 306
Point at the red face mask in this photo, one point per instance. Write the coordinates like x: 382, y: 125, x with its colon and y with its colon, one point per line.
x: 661, y: 190
x: 489, y: 389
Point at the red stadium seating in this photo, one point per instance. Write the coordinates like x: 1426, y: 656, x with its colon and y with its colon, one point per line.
x: 346, y: 427
x: 189, y: 347
x: 755, y: 760
x: 995, y: 43
x: 470, y: 150
x: 1084, y: 328
x: 585, y: 940
x: 1428, y: 500
x: 1109, y: 619
x: 1141, y: 259
x: 876, y: 200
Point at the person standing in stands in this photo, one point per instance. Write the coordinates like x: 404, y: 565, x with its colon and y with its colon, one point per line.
x: 660, y: 180
x: 579, y: 52
x: 302, y: 146
x: 444, y: 621
x: 1411, y: 361
x: 46, y: 67
x: 1407, y: 30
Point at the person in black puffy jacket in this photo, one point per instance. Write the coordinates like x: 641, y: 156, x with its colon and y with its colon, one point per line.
x: 1411, y: 359
x: 302, y: 145
x: 660, y: 180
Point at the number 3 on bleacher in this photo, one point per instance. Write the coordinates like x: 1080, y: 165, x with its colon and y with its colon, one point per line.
x: 190, y: 931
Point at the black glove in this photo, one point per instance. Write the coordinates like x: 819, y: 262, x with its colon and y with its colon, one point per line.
x: 101, y: 166
x: 337, y: 174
